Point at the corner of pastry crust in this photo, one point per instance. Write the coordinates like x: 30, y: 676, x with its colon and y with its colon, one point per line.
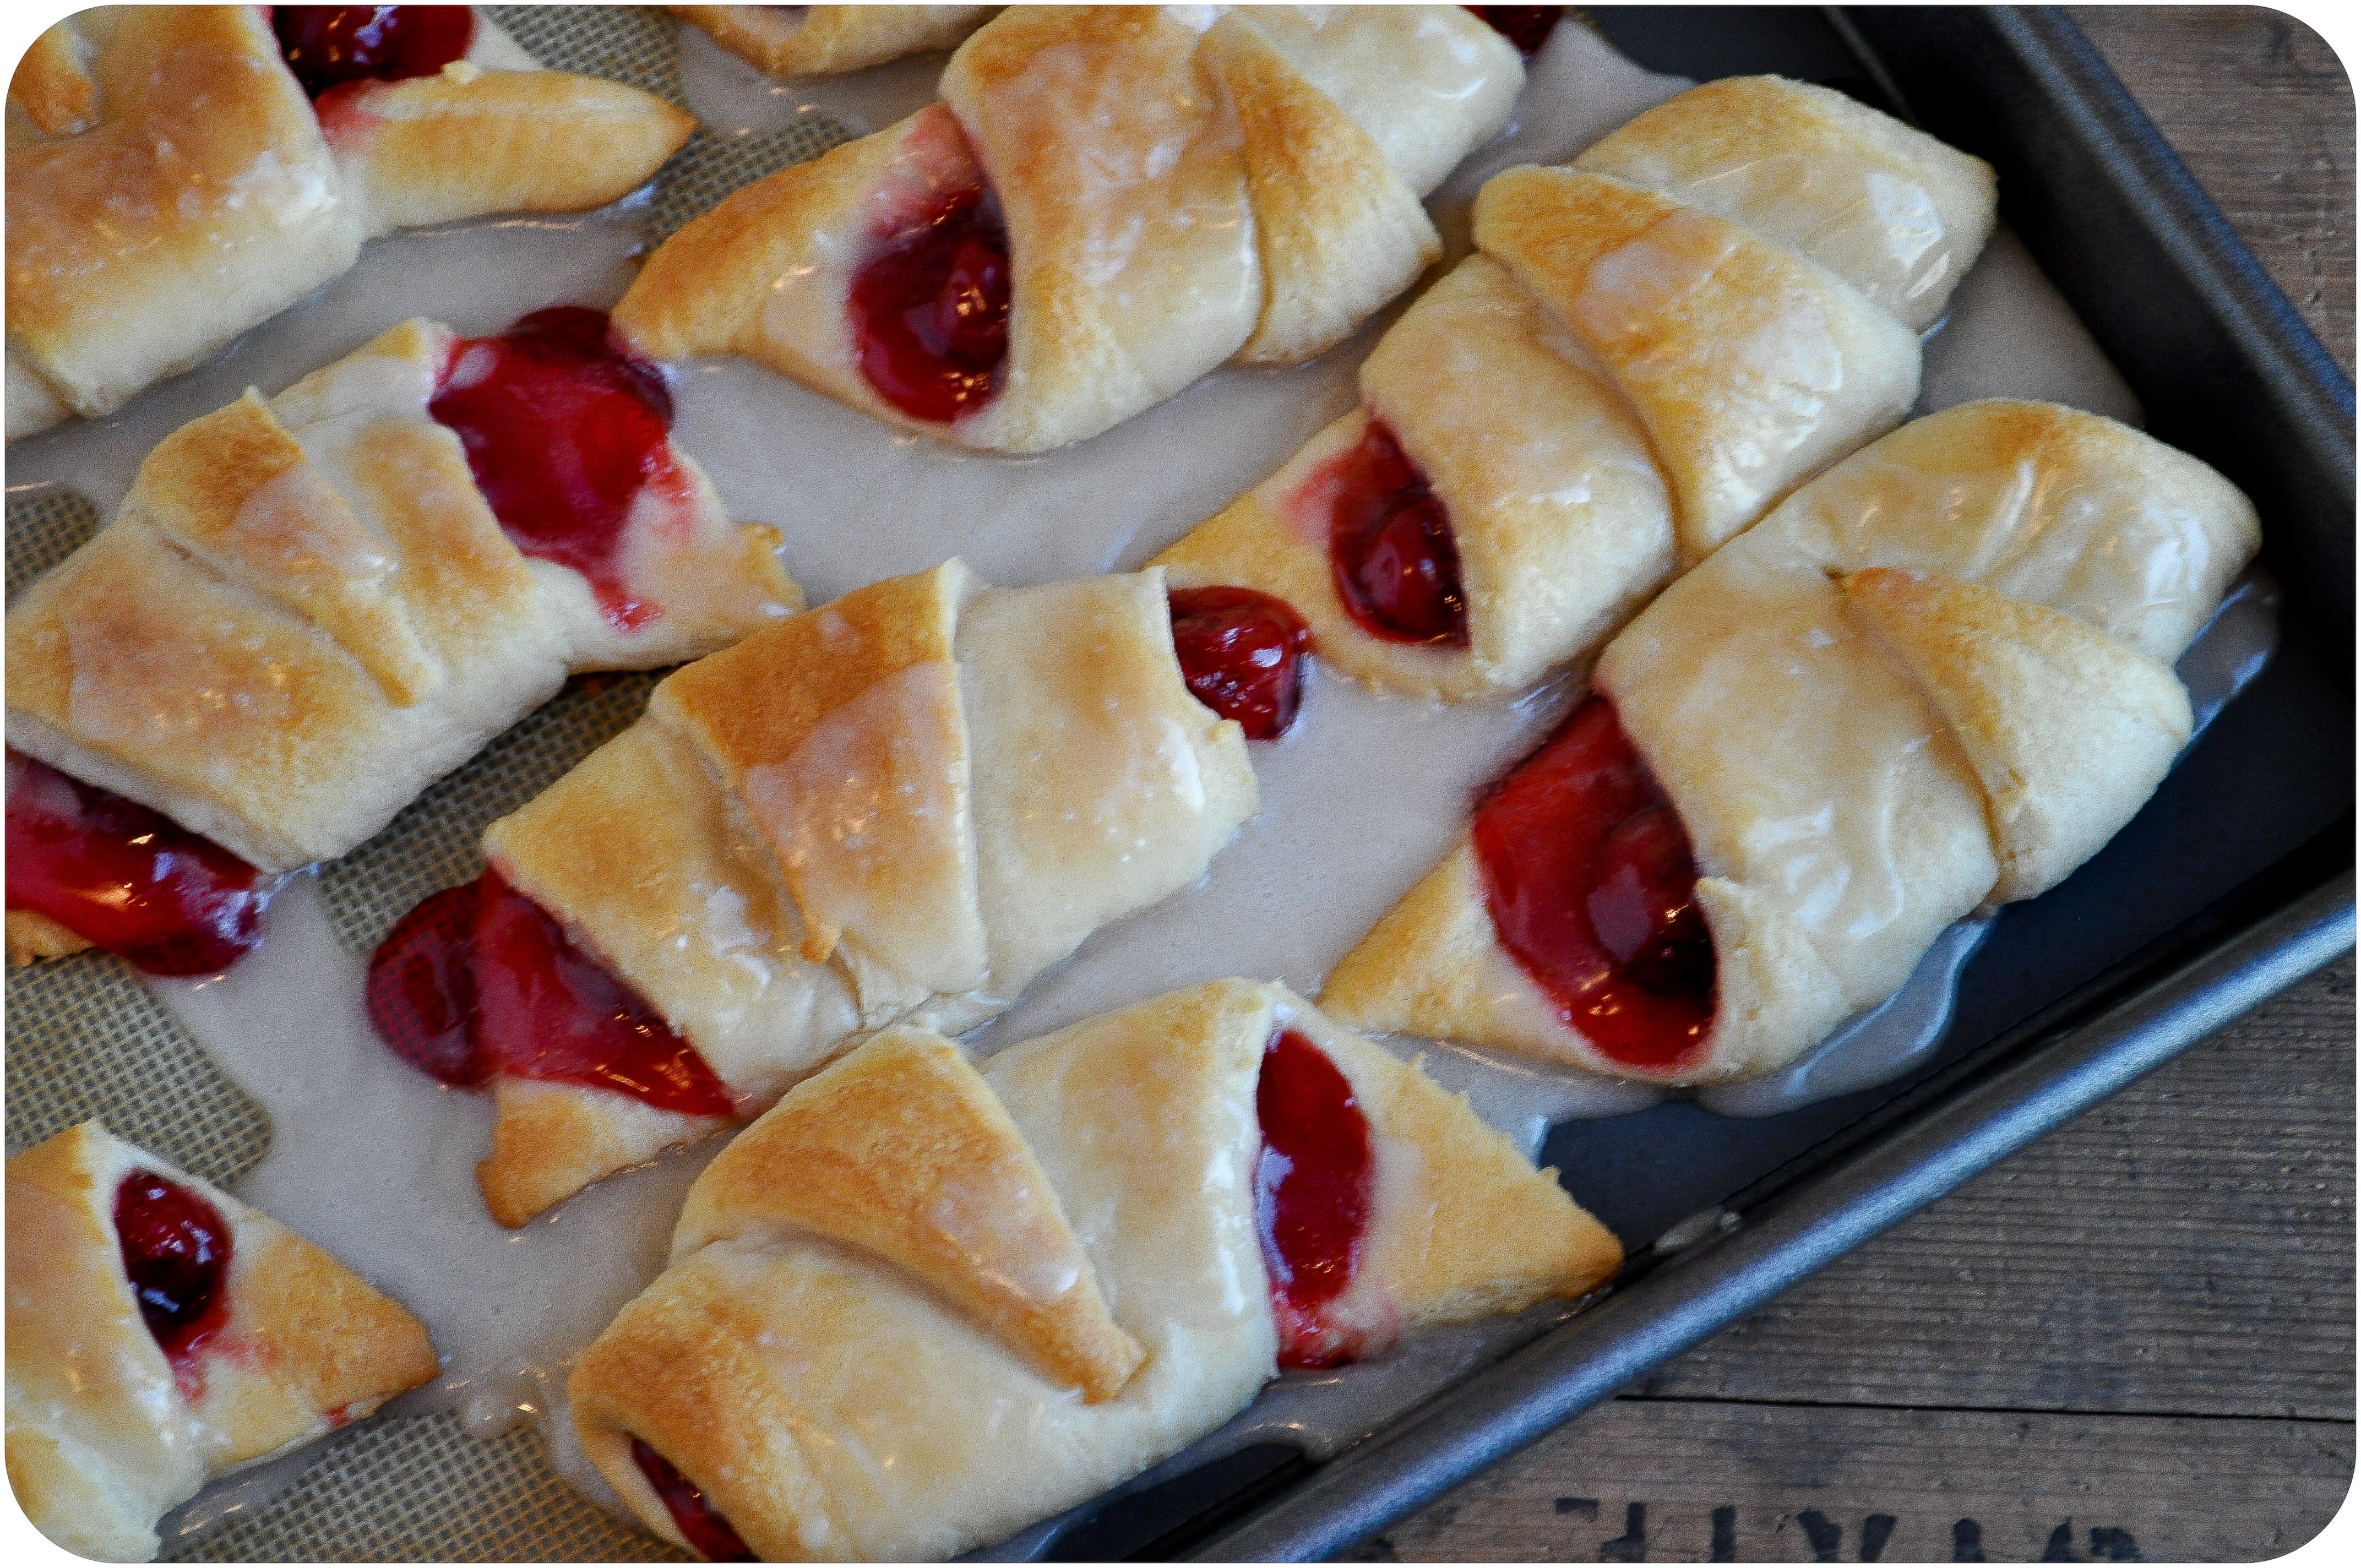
x: 551, y: 1140
x: 2069, y: 730
x: 682, y: 1369
x: 903, y: 1151
x: 1483, y: 1231
x: 1774, y: 996
x: 33, y: 936
x: 1420, y: 968
x: 313, y: 1346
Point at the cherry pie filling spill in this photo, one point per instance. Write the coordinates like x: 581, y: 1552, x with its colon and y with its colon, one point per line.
x: 929, y: 308
x: 1592, y: 887
x: 1389, y: 543
x: 1315, y: 1192
x: 700, y: 1523
x: 1527, y: 27
x: 128, y: 879
x: 1244, y: 655
x: 567, y: 433
x: 328, y: 46
x: 479, y: 982
x: 176, y: 1248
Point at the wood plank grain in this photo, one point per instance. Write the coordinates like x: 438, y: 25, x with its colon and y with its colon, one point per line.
x: 2186, y: 1247
x: 2258, y: 107
x: 1663, y: 1481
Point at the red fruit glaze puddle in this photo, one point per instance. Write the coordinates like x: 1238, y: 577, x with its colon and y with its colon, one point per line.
x: 929, y: 308
x: 1243, y: 655
x: 1527, y: 27
x: 1592, y: 886
x: 327, y: 46
x: 128, y: 879
x: 700, y: 1523
x: 479, y: 980
x: 1389, y: 542
x: 565, y: 434
x: 176, y: 1250
x: 1314, y: 1188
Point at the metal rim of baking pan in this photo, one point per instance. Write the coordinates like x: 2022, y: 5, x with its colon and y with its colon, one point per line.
x: 2225, y: 369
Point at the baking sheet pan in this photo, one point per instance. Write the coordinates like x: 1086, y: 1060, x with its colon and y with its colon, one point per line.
x: 2236, y: 881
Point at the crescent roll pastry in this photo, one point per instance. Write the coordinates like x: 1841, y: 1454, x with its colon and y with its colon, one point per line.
x: 311, y: 606
x: 1938, y: 678
x: 180, y: 173
x: 920, y: 1305
x: 1619, y: 380
x: 162, y: 1334
x: 899, y: 808
x: 1109, y: 202
x: 828, y: 40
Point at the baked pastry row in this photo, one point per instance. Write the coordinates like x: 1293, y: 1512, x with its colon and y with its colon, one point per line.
x: 915, y: 1307
x: 827, y: 40
x: 310, y: 607
x: 1650, y: 346
x: 900, y: 808
x: 1938, y: 678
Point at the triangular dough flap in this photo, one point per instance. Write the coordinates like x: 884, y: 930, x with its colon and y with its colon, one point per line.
x: 2068, y: 730
x: 903, y: 1151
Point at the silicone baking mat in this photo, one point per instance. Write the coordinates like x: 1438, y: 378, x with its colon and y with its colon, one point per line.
x: 84, y: 1040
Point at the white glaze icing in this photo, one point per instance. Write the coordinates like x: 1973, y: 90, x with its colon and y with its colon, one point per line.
x: 1359, y: 801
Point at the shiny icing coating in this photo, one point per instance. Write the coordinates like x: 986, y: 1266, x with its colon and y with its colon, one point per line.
x: 125, y: 878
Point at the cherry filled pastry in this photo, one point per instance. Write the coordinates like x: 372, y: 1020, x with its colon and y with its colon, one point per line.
x: 1108, y: 203
x: 1938, y: 678
x: 900, y: 808
x: 920, y: 1305
x: 180, y: 173
x: 310, y: 607
x: 1652, y: 346
x: 162, y: 1334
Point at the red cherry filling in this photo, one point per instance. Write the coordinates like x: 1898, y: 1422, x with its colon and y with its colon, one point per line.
x: 327, y: 46
x: 565, y: 433
x: 930, y: 308
x: 479, y: 980
x: 1243, y: 655
x: 128, y: 879
x: 700, y: 1523
x: 1527, y: 27
x: 1312, y: 1196
x: 1389, y: 542
x: 176, y: 1253
x: 1592, y: 886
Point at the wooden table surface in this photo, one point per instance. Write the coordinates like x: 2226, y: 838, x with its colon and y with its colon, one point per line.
x: 2135, y: 1340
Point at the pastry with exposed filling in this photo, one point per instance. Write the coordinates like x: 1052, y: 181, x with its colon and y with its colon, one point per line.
x: 920, y: 1305
x: 1651, y: 347
x: 162, y: 1334
x: 1937, y: 679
